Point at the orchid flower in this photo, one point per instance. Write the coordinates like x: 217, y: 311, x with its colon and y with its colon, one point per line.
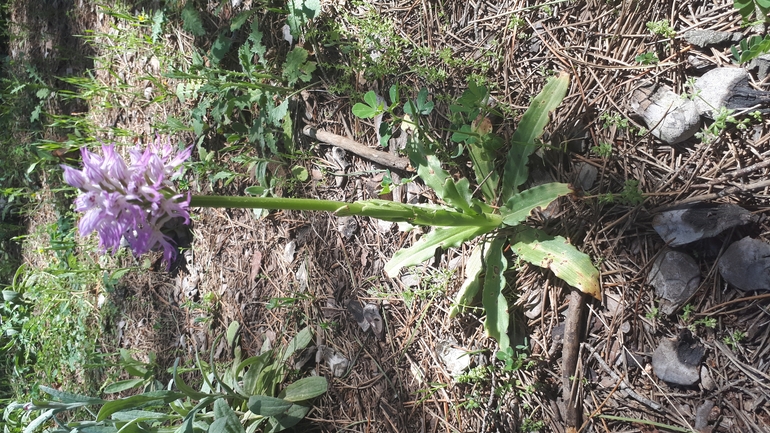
x: 130, y: 201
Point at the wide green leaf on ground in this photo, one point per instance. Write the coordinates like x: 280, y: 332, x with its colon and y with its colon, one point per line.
x: 558, y: 255
x: 519, y: 206
x: 426, y: 247
x: 530, y: 128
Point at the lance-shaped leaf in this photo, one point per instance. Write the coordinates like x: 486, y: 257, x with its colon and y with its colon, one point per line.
x: 426, y: 247
x: 305, y: 389
x: 226, y: 421
x: 483, y: 152
x: 456, y: 194
x: 470, y: 287
x: 530, y: 129
x: 558, y: 255
x: 518, y: 207
x: 268, y: 406
x: 492, y: 298
x: 136, y: 401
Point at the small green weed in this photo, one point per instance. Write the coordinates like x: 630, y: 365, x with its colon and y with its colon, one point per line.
x: 734, y: 339
x: 609, y: 119
x: 603, y: 150
x: 648, y: 58
x: 661, y: 28
x: 631, y: 195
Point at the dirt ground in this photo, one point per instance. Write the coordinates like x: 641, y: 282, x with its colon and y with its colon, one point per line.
x: 399, y: 383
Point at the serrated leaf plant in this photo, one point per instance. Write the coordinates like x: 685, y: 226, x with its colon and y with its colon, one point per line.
x: 243, y: 398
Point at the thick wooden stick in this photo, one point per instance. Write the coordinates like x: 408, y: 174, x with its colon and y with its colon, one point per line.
x: 383, y: 158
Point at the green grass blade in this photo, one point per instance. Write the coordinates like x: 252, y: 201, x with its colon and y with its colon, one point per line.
x: 520, y: 205
x: 558, y: 255
x: 493, y: 300
x: 530, y: 128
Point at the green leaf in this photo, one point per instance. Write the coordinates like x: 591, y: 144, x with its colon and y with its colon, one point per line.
x: 186, y: 389
x: 522, y: 204
x: 300, y: 173
x: 558, y: 255
x: 288, y: 419
x: 268, y: 406
x: 363, y: 111
x: 472, y: 284
x: 226, y: 421
x: 68, y: 397
x: 257, y: 47
x: 530, y: 128
x: 297, y: 67
x: 136, y: 401
x: 191, y: 20
x: 456, y: 194
x: 220, y: 48
x: 492, y: 298
x: 305, y: 389
x: 371, y: 99
x: 233, y: 331
x: 256, y: 190
x: 122, y: 385
x: 424, y: 106
x: 241, y: 19
x: 393, y: 93
x: 299, y: 342
x: 752, y: 48
x: 426, y: 247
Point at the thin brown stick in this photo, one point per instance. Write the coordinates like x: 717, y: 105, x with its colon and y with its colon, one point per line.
x: 572, y: 333
x: 383, y: 158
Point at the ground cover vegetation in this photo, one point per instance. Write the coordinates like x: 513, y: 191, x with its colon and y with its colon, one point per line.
x: 502, y: 228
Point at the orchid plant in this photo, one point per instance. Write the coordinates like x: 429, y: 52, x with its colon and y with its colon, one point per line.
x: 132, y: 201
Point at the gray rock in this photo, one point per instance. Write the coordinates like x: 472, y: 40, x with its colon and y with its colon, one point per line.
x: 677, y: 361
x: 728, y: 87
x: 683, y: 226
x: 762, y: 64
x: 669, y: 117
x: 586, y: 175
x: 676, y: 277
x: 704, y: 38
x: 746, y: 265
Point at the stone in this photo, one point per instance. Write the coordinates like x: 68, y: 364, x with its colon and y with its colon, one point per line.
x: 675, y: 277
x: 746, y: 265
x: 677, y: 360
x: 728, y: 87
x: 669, y: 117
x: 683, y: 226
x: 704, y: 37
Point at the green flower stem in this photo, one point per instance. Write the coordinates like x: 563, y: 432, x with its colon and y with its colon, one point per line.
x: 266, y: 203
x: 380, y: 209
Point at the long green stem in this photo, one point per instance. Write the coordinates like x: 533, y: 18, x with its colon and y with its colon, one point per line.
x: 380, y: 209
x: 267, y: 203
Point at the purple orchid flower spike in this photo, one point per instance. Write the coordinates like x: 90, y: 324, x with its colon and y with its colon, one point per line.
x: 130, y: 201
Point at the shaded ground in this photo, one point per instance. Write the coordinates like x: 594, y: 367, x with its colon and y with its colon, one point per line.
x: 238, y: 263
